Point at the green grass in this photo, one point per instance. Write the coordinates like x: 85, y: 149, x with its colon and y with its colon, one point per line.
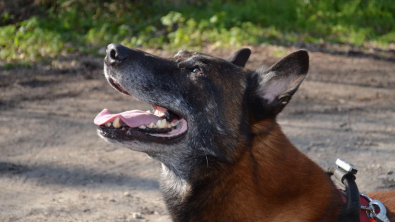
x: 69, y: 26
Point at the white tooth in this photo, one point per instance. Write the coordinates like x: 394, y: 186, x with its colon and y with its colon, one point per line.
x: 159, y: 124
x: 108, y: 124
x: 163, y: 124
x: 152, y: 126
x: 142, y: 127
x: 168, y: 125
x: 161, y: 115
x: 156, y: 112
x: 173, y: 124
x: 116, y: 123
x: 148, y: 111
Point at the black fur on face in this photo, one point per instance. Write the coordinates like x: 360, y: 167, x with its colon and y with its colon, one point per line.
x: 207, y: 92
x: 219, y: 99
x: 224, y: 104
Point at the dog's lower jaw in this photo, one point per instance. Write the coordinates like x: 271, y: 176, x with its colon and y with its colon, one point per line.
x: 249, y: 190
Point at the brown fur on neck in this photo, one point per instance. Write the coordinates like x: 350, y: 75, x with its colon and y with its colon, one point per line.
x: 269, y: 179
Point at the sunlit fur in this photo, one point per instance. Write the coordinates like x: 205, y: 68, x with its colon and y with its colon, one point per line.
x: 234, y: 164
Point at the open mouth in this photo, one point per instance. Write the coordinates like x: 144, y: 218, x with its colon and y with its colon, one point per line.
x: 160, y: 125
x: 118, y: 87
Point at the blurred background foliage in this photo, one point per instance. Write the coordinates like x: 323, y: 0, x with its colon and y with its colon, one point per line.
x: 31, y: 30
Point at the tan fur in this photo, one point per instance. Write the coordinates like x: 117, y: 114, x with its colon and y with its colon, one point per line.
x: 300, y: 192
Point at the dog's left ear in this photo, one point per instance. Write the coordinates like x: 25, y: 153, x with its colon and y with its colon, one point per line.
x: 275, y: 87
x: 240, y: 57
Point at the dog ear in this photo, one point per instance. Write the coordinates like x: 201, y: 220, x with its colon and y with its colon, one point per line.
x: 240, y: 57
x: 275, y: 86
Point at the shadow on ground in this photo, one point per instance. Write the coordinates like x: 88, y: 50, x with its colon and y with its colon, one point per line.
x: 73, y: 177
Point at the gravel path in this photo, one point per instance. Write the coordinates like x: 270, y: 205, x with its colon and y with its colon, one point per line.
x: 53, y: 166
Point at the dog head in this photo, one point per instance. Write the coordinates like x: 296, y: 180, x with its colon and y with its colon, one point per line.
x: 206, y: 109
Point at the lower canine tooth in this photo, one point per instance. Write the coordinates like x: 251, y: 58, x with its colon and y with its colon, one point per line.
x: 108, y: 124
x: 162, y: 123
x: 159, y: 124
x: 116, y: 123
x: 142, y: 127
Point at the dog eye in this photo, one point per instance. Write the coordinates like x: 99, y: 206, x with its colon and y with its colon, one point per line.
x: 197, y: 71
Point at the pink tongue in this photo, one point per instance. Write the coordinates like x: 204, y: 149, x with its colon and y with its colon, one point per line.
x: 132, y: 118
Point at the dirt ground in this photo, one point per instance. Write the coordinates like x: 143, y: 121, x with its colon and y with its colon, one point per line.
x: 53, y: 166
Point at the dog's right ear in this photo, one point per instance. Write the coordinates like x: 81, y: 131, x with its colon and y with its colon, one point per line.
x: 273, y: 88
x: 240, y: 57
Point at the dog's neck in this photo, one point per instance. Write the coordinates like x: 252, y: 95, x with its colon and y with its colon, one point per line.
x: 269, y: 175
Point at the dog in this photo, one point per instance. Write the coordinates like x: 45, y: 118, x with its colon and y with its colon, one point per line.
x: 224, y: 156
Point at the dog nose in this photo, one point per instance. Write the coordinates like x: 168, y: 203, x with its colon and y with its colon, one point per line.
x: 116, y: 53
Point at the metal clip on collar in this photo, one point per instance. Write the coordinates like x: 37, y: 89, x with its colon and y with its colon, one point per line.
x: 370, y: 209
x: 345, y: 173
